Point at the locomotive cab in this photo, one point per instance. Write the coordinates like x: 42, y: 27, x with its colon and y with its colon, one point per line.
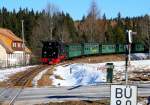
x: 52, y: 52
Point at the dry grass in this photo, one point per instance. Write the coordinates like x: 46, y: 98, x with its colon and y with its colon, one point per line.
x: 103, y: 102
x: 58, y: 77
x: 97, y: 59
x: 140, y: 78
x: 3, y: 84
x: 45, y: 80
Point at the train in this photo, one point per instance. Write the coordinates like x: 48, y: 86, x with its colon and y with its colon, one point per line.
x: 53, y: 52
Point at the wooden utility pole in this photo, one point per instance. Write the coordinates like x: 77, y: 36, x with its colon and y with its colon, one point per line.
x: 148, y: 33
x: 23, y: 45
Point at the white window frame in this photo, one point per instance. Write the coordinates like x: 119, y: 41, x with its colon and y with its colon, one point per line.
x: 14, y: 44
x: 19, y: 45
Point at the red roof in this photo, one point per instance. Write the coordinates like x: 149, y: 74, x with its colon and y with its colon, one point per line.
x: 9, y: 34
x: 13, y: 37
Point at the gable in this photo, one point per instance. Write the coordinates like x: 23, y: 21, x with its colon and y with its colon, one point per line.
x: 7, y: 48
x: 9, y: 34
x: 3, y: 53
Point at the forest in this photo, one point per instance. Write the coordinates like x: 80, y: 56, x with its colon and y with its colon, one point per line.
x: 53, y: 24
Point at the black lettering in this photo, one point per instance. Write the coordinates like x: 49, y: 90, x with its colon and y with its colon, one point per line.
x: 118, y: 102
x: 128, y: 102
x: 128, y: 92
x: 119, y: 93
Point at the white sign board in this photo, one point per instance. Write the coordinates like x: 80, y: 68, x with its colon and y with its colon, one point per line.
x: 130, y: 36
x: 123, y: 95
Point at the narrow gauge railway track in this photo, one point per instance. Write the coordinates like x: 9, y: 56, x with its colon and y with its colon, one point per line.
x: 24, y: 79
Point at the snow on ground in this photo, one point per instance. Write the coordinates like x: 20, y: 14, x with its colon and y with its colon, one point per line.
x: 5, y: 73
x: 86, y: 74
x: 38, y: 77
x: 134, y: 65
x: 139, y: 56
x: 142, y: 102
x: 78, y: 74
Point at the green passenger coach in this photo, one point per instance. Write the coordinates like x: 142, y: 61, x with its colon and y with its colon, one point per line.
x: 90, y: 48
x: 73, y: 50
x: 107, y: 48
x: 120, y: 48
x: 138, y: 47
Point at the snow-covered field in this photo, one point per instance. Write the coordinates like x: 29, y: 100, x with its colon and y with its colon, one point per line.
x: 5, y: 73
x: 139, y: 56
x: 78, y: 74
x: 82, y: 74
x: 86, y: 74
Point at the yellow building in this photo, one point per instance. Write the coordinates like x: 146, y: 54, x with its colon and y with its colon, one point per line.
x: 12, y: 52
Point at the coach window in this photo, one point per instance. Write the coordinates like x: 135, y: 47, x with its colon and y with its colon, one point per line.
x: 103, y: 47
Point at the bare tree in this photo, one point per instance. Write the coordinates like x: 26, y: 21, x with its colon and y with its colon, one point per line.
x: 62, y: 33
x: 51, y: 10
x: 42, y: 31
x: 93, y: 26
x: 92, y: 18
x: 145, y: 31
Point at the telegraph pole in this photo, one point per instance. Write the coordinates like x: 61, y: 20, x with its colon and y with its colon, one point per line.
x: 148, y: 33
x: 51, y: 29
x: 23, y: 45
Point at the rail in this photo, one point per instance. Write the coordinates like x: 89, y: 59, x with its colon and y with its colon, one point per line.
x: 22, y: 82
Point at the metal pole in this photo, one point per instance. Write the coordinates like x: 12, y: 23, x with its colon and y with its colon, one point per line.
x: 126, y: 65
x: 23, y: 45
x: 127, y: 56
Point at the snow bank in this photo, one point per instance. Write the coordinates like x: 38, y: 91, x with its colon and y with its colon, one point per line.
x: 86, y: 74
x: 139, y: 56
x: 134, y: 65
x: 38, y: 77
x: 5, y: 73
x: 78, y: 74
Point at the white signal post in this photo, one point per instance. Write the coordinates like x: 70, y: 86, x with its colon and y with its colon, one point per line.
x: 129, y: 45
x: 129, y: 42
x: 130, y: 34
x: 125, y: 94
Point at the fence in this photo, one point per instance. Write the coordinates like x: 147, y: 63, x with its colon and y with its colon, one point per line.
x: 3, y: 63
x: 13, y: 63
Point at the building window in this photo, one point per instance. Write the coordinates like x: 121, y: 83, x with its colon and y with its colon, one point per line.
x: 14, y: 44
x: 19, y: 45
